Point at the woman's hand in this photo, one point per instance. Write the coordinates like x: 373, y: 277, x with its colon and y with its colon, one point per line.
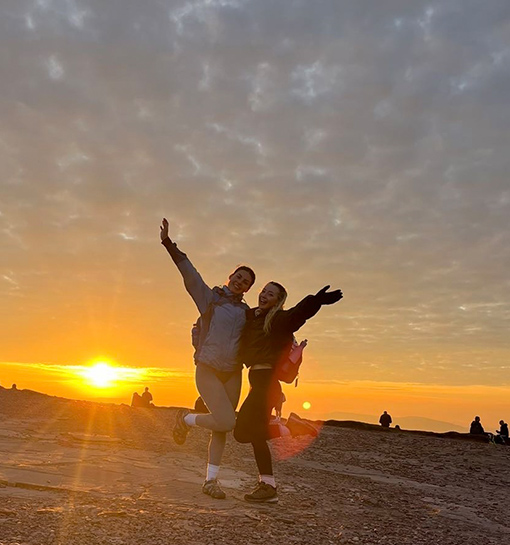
x: 163, y: 229
x: 328, y: 298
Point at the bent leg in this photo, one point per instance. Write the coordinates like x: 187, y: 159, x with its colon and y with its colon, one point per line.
x: 220, y: 398
x: 219, y: 438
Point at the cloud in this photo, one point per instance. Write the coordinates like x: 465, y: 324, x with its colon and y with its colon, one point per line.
x: 322, y: 142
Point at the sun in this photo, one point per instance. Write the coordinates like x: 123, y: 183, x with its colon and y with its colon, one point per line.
x: 101, y: 374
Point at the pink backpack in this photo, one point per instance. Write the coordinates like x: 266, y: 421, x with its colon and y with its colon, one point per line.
x: 288, y: 369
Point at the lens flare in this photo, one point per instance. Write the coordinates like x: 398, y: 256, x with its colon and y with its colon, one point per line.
x: 101, y: 374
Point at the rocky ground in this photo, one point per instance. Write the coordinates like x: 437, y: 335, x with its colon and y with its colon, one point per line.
x: 84, y: 473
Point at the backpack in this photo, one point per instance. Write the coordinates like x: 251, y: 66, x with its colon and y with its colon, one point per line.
x: 288, y: 368
x: 201, y: 326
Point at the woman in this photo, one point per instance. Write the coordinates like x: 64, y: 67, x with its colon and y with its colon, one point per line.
x: 266, y: 339
x: 218, y: 371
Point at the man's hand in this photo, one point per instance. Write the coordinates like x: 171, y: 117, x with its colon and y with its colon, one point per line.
x: 328, y: 298
x: 163, y: 229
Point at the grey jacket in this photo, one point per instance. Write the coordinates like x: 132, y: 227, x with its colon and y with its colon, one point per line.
x: 221, y: 344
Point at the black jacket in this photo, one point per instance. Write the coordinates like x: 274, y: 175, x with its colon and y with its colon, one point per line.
x: 476, y: 428
x: 257, y: 347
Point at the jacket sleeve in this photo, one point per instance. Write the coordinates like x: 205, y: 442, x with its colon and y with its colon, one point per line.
x: 200, y: 292
x: 292, y: 319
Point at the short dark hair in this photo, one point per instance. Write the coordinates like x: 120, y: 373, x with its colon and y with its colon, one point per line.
x: 249, y: 270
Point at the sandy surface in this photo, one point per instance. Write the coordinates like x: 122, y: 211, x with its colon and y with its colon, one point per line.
x: 85, y: 473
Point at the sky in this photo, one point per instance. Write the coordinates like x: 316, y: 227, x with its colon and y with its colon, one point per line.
x: 362, y: 144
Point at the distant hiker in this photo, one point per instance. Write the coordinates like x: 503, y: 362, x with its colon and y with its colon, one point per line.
x: 266, y: 338
x: 503, y: 429
x: 147, y: 398
x: 218, y: 371
x: 281, y: 399
x: 136, y: 400
x: 502, y: 433
x: 385, y: 420
x: 476, y: 427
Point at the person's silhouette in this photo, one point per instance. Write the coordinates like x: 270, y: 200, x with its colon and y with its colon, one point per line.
x: 146, y: 397
x: 385, y: 420
x: 476, y: 427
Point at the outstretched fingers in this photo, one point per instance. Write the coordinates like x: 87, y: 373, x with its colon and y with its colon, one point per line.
x: 328, y: 298
x: 163, y: 228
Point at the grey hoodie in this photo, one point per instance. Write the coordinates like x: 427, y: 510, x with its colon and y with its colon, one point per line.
x: 221, y: 344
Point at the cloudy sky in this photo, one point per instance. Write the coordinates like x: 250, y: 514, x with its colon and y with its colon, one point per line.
x: 363, y: 144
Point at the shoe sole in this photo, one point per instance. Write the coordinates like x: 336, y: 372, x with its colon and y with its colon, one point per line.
x: 221, y: 495
x: 180, y: 433
x: 214, y: 497
x: 268, y: 500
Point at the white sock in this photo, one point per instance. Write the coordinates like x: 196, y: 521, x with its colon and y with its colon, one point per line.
x: 268, y: 479
x: 212, y: 472
x: 191, y: 419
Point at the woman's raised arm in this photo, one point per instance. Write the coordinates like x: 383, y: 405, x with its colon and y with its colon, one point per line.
x: 200, y: 292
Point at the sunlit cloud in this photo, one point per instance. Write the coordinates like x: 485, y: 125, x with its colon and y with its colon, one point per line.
x: 119, y: 374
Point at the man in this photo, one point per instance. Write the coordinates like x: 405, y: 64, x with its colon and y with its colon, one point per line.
x: 502, y: 436
x: 385, y: 420
x: 146, y: 398
x: 476, y: 427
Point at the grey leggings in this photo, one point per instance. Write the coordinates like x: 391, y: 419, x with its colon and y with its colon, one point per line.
x: 220, y: 392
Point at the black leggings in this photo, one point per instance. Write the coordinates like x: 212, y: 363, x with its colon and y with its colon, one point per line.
x: 252, y: 424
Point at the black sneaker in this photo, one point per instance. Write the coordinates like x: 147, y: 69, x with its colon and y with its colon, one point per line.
x: 212, y: 488
x: 181, y: 429
x: 263, y: 493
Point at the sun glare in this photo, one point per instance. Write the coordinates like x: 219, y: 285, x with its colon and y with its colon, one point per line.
x: 101, y: 374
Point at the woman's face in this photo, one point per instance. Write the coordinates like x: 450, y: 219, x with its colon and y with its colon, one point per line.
x: 269, y: 297
x: 240, y: 282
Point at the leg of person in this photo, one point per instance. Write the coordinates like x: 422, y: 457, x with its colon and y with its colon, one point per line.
x: 211, y: 486
x: 220, y: 396
x: 253, y: 426
x: 265, y: 491
x: 212, y: 390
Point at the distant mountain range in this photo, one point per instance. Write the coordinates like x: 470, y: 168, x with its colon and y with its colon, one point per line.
x: 405, y: 422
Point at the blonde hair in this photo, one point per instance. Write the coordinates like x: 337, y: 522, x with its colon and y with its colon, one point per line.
x: 282, y: 296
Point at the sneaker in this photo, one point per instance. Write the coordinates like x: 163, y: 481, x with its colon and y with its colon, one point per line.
x: 263, y: 493
x: 181, y: 429
x: 298, y: 426
x: 212, y: 488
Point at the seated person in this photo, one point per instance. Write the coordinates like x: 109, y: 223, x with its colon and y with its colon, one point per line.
x: 385, y: 420
x: 136, y: 400
x: 146, y: 398
x: 502, y: 437
x: 476, y: 427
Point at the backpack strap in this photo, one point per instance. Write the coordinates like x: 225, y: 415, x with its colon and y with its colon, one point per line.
x: 220, y: 298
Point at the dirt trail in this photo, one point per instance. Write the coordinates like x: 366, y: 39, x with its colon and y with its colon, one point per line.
x: 85, y: 473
